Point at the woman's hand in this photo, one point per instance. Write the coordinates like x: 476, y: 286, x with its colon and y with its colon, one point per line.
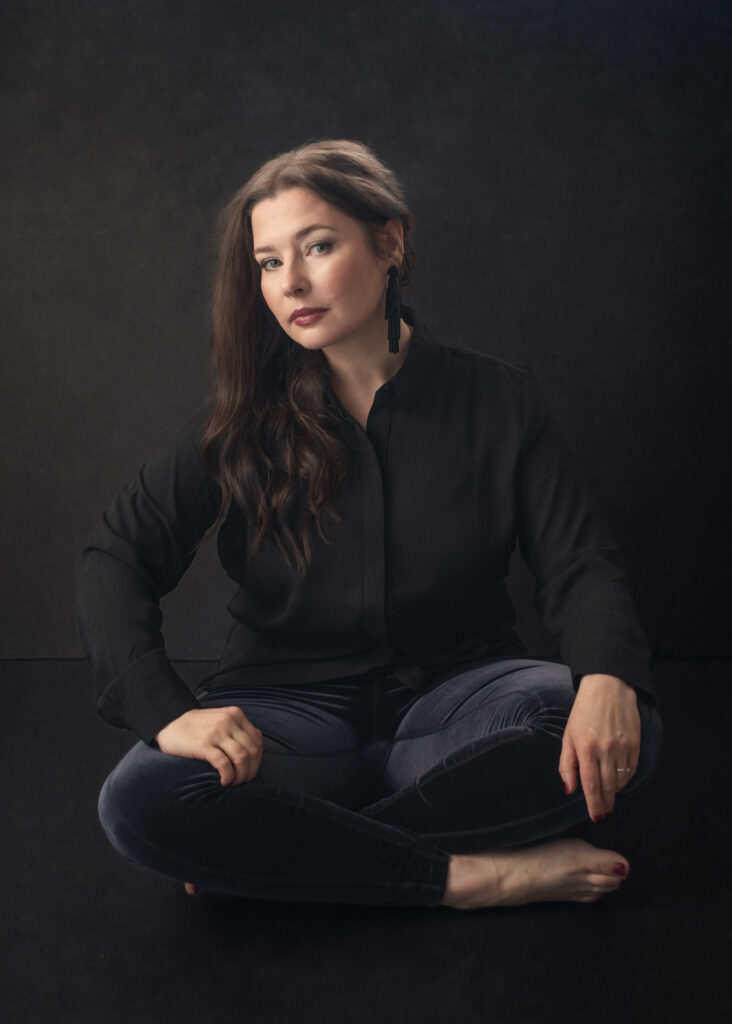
x: 602, y: 734
x: 222, y: 736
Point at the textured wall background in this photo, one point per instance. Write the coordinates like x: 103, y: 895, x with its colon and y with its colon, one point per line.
x: 566, y: 162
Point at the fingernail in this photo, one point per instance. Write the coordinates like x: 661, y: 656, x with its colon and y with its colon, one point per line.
x: 596, y: 818
x: 566, y: 789
x: 620, y: 869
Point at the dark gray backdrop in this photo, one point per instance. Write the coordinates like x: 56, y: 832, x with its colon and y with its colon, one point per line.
x: 566, y: 162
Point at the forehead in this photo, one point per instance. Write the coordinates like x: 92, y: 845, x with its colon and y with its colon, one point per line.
x: 291, y: 210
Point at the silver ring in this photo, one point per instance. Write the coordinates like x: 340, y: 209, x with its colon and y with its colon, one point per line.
x: 622, y: 770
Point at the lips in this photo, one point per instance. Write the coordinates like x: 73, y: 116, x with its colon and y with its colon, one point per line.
x: 303, y: 317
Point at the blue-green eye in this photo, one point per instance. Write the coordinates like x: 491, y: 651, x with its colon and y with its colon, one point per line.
x: 320, y: 247
x: 266, y: 264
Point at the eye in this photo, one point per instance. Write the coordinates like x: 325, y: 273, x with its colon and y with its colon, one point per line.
x: 268, y: 264
x: 320, y: 247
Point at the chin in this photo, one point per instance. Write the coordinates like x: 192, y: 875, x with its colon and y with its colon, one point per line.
x: 313, y: 341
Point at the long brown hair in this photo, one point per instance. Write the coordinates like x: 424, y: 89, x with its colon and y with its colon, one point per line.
x: 272, y: 427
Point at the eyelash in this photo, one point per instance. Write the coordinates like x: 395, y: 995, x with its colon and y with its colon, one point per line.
x: 273, y: 259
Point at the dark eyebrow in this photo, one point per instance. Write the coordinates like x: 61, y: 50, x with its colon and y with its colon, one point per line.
x: 300, y: 234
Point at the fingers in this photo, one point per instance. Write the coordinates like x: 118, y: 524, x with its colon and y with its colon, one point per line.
x: 602, y: 734
x: 568, y: 765
x: 244, y: 756
x: 235, y: 762
x: 620, y: 764
x: 221, y: 762
x: 241, y: 743
x: 229, y: 742
x: 231, y: 762
x: 589, y: 770
x: 222, y: 736
x: 608, y: 781
x: 600, y: 778
x: 622, y: 778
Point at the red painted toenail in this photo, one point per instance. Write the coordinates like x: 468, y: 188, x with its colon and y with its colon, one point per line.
x: 620, y: 869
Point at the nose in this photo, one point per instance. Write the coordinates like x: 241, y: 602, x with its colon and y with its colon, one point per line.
x: 294, y: 279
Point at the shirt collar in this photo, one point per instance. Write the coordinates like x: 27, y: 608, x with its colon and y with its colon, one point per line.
x: 420, y: 361
x: 413, y: 374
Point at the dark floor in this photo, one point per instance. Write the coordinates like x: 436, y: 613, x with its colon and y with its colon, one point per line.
x: 89, y: 937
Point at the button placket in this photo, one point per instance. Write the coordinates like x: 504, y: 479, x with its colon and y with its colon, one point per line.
x: 374, y: 453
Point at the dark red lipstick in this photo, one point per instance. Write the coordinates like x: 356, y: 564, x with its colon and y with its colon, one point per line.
x: 305, y: 316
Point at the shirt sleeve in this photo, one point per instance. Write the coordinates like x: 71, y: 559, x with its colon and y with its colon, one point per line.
x: 581, y: 588
x: 136, y: 554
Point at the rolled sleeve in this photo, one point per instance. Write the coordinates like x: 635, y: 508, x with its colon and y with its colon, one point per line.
x: 137, y: 553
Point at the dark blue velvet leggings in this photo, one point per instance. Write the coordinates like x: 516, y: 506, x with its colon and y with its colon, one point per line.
x: 365, y: 787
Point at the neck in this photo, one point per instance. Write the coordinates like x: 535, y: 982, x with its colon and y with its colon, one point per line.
x: 361, y: 369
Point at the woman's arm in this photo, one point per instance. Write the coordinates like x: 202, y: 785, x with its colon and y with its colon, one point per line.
x: 581, y: 587
x: 138, y: 552
x: 584, y: 599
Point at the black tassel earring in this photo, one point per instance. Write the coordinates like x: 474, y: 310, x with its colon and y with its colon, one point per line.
x: 393, y: 309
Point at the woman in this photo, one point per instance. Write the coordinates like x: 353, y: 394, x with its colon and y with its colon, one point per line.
x: 374, y: 732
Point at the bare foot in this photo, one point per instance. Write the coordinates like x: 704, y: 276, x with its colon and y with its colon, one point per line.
x: 567, y: 869
x: 190, y: 888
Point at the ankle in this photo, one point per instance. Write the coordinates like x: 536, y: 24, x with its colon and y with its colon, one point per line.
x: 460, y: 882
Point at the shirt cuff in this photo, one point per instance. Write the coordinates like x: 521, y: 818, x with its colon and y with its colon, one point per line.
x: 632, y: 668
x: 146, y: 697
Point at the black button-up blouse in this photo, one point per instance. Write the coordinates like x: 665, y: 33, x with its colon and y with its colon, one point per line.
x: 459, y: 460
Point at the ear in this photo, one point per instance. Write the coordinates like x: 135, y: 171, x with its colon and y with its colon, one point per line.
x: 392, y: 242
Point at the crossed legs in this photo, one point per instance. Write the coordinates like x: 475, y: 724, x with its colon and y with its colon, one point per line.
x: 347, y: 809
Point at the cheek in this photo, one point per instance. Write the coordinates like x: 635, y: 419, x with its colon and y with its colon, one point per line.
x: 352, y: 281
x: 268, y: 293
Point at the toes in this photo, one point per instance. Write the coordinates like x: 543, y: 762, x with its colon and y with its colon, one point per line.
x: 597, y: 887
x: 605, y: 883
x: 611, y: 863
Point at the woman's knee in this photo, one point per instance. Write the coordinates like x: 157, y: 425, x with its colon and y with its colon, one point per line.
x: 535, y: 694
x: 650, y: 748
x: 142, y: 803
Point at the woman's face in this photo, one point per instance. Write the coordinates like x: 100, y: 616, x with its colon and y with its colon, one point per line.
x: 320, y: 275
